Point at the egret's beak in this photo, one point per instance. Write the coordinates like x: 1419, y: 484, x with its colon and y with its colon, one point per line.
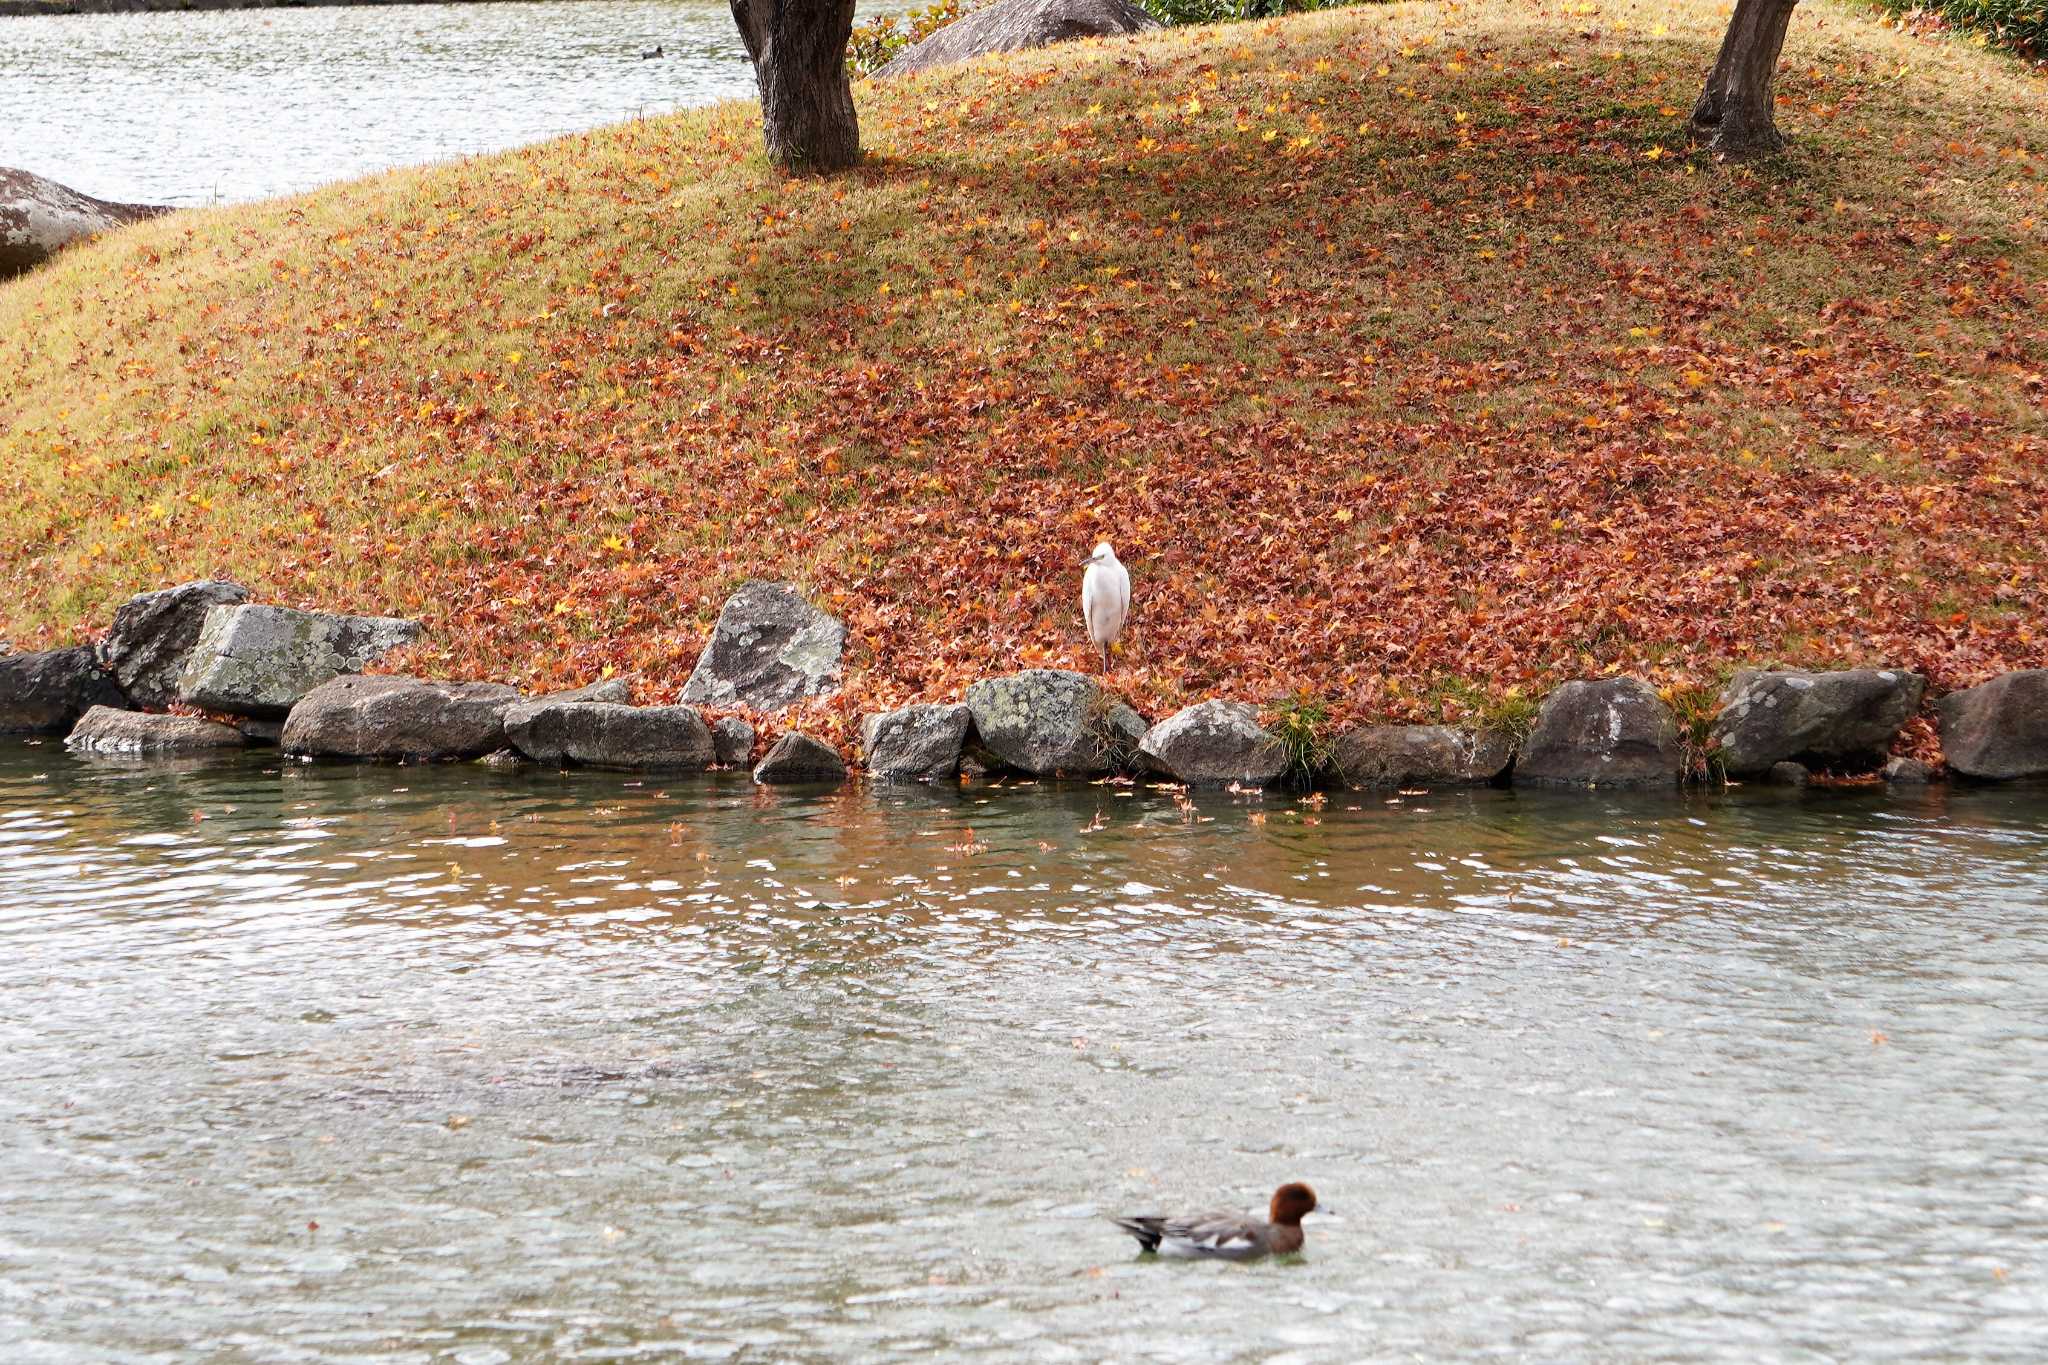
x: 1091, y: 559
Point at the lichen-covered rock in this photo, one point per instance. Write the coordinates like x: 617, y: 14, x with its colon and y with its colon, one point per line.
x: 106, y: 730
x: 153, y: 635
x: 1214, y: 744
x: 1385, y: 757
x: 1052, y: 723
x: 1999, y: 730
x: 395, y: 717
x: 39, y: 218
x: 1015, y: 25
x: 1616, y: 732
x: 1852, y: 715
x: 46, y: 692
x: 795, y: 760
x: 916, y: 743
x: 732, y: 742
x: 260, y: 660
x: 607, y: 735
x: 770, y: 649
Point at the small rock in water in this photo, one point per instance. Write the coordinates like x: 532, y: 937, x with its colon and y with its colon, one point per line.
x: 607, y: 735
x: 1616, y: 732
x: 797, y: 759
x: 398, y: 717
x: 1998, y: 730
x: 1054, y: 723
x: 1789, y: 774
x: 916, y: 743
x: 1214, y: 743
x: 732, y: 741
x: 1908, y: 772
x: 107, y: 730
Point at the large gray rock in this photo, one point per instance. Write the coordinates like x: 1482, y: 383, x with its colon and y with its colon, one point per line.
x: 1051, y: 723
x: 1772, y: 717
x: 1616, y: 732
x: 1014, y: 25
x: 1386, y: 757
x: 153, y: 635
x: 1214, y: 744
x: 916, y: 743
x: 797, y: 759
x: 1996, y: 731
x: 259, y: 660
x: 39, y: 218
x: 46, y: 692
x: 105, y: 730
x: 732, y: 741
x: 607, y: 735
x: 770, y: 649
x: 356, y: 717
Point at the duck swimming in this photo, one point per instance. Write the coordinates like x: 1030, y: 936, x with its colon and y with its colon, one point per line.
x: 1227, y: 1236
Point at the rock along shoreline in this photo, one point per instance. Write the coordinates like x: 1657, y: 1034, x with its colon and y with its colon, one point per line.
x: 245, y: 673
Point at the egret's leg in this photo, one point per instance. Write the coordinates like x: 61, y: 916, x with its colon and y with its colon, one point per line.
x: 1105, y: 658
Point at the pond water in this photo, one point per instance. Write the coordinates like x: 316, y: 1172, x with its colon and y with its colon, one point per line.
x: 200, y: 108
x: 323, y: 1063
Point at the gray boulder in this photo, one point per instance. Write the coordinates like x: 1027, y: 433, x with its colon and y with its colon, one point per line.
x: 770, y: 649
x: 916, y: 743
x: 1051, y: 723
x: 259, y: 660
x: 1996, y: 731
x: 732, y: 742
x: 105, y: 730
x: 797, y: 759
x: 356, y: 717
x: 607, y: 735
x: 1616, y: 732
x: 1014, y: 25
x: 39, y: 218
x: 153, y: 636
x: 1385, y: 757
x: 1771, y: 717
x: 1213, y: 744
x: 46, y: 692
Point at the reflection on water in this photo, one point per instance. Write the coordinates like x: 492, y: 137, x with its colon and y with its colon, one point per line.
x: 321, y: 1063
x: 195, y: 108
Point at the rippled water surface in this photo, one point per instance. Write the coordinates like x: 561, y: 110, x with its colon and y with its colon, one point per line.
x: 196, y: 108
x: 417, y: 1064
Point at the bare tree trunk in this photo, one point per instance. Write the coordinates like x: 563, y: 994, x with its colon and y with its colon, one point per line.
x: 1736, y: 112
x: 798, y: 48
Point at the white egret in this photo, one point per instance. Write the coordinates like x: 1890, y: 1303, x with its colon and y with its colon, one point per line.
x: 1105, y: 598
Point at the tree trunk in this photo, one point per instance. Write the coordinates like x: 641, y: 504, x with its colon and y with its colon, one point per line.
x: 798, y: 48
x: 1736, y: 112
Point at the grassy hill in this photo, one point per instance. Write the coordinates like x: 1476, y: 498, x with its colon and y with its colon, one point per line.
x: 1408, y: 355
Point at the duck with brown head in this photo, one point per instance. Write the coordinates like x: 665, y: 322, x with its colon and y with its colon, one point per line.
x: 1227, y: 1236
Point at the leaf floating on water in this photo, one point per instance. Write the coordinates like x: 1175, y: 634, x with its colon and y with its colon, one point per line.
x: 458, y: 1122
x: 1877, y: 1039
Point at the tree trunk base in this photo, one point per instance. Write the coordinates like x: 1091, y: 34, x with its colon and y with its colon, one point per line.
x: 1736, y: 115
